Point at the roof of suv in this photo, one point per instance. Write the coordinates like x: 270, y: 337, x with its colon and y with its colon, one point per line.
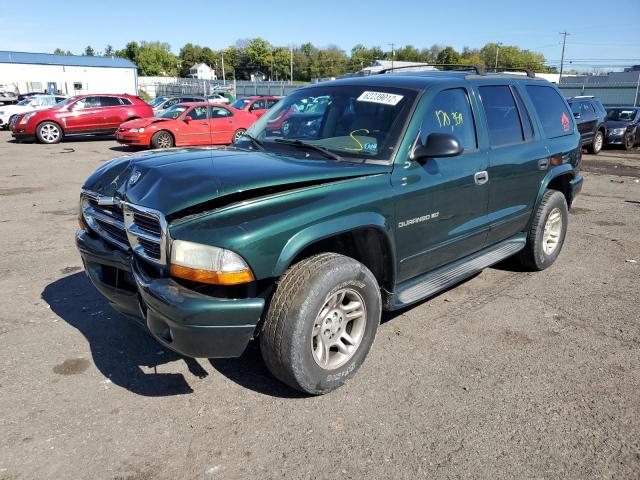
x: 422, y: 79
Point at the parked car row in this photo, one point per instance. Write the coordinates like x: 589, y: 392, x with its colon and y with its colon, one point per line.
x: 600, y: 126
x: 33, y: 102
x: 162, y: 123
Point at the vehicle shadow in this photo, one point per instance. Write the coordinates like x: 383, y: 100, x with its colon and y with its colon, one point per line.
x: 249, y: 371
x: 119, y: 348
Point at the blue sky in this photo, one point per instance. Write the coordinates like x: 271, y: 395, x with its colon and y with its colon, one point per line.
x: 602, y: 33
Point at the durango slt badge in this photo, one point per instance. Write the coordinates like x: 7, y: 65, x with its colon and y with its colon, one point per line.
x: 413, y: 221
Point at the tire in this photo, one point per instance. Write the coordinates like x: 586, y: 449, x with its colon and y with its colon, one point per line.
x: 238, y: 133
x: 307, y: 309
x: 596, y: 145
x: 540, y: 252
x: 49, y: 133
x: 162, y: 139
x: 629, y: 142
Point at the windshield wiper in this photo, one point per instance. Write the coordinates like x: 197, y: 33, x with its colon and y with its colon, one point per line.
x: 300, y: 144
x: 254, y: 141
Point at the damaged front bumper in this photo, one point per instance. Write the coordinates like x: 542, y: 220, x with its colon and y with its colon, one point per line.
x: 183, y: 320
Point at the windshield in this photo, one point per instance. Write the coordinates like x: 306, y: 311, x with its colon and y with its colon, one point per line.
x: 352, y: 121
x: 157, y: 101
x: 621, y: 113
x: 173, y: 112
x: 240, y: 103
x: 25, y: 102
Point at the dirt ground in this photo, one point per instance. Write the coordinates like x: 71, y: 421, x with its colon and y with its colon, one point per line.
x: 508, y: 375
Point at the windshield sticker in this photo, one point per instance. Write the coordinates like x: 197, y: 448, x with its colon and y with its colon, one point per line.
x: 565, y: 122
x: 380, y: 97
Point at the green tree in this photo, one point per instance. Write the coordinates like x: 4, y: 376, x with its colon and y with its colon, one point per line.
x: 408, y: 53
x: 89, y: 51
x: 130, y: 51
x: 448, y: 55
x: 59, y: 51
x: 156, y: 59
x: 109, y: 51
x: 258, y: 55
x: 189, y: 55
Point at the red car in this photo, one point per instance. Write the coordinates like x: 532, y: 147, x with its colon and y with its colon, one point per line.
x: 258, y: 105
x: 187, y: 124
x: 80, y: 115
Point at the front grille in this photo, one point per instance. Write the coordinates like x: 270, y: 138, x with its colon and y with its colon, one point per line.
x: 107, y: 220
x: 127, y: 226
x: 146, y: 231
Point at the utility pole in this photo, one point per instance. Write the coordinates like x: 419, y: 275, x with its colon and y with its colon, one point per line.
x: 224, y: 78
x: 635, y: 100
x: 564, y: 41
x: 393, y: 54
x: 497, y: 52
x: 291, y: 63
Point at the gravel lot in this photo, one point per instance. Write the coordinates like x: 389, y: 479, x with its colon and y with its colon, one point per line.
x: 508, y: 375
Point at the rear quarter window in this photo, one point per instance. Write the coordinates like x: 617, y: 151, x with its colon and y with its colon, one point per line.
x: 551, y: 109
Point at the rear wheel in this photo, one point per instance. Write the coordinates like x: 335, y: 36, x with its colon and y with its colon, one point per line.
x: 547, y: 232
x: 49, y: 132
x: 162, y: 139
x: 238, y: 135
x: 321, y: 323
x: 596, y: 145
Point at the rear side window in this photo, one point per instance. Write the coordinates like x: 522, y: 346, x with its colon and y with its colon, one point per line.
x: 502, y: 115
x: 450, y: 112
x: 220, y: 112
x: 125, y: 101
x: 527, y: 126
x: 552, y: 111
x: 109, y: 101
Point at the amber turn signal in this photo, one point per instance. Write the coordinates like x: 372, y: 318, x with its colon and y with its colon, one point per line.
x: 215, y: 278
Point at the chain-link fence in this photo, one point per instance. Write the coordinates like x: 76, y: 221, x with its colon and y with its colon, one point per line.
x: 192, y: 86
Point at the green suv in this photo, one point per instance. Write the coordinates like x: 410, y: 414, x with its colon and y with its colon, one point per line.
x: 346, y: 199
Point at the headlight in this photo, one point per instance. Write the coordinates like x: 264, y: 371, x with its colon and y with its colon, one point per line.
x: 137, y: 130
x: 618, y: 131
x: 25, y: 118
x: 206, y: 264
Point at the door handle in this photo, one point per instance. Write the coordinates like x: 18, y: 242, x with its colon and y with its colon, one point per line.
x: 481, y: 177
x: 205, y: 123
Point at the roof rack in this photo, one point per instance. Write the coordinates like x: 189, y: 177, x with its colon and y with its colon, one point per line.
x: 450, y: 66
x: 503, y: 69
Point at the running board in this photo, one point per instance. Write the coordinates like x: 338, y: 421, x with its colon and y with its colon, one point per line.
x: 433, y: 282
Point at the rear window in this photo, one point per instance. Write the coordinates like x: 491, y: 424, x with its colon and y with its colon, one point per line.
x: 552, y: 111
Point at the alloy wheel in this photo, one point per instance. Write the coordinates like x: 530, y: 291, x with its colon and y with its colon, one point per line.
x: 338, y: 329
x: 49, y: 133
x: 552, y: 231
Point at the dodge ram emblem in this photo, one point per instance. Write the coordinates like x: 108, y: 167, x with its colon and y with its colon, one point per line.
x: 135, y: 176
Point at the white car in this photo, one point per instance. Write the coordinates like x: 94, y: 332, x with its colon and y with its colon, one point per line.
x: 217, y: 98
x: 37, y: 102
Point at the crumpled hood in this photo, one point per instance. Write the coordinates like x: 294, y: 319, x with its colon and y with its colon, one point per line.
x: 142, y: 122
x: 174, y: 180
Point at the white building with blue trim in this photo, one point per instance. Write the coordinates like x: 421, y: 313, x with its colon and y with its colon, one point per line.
x: 67, y: 74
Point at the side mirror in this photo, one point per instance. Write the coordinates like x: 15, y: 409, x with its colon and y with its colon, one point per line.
x: 576, y: 115
x: 437, y: 145
x: 187, y: 119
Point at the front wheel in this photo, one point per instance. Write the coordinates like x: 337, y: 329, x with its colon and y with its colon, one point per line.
x: 596, y: 145
x: 547, y: 232
x: 321, y: 323
x: 629, y: 141
x: 238, y: 135
x: 49, y: 132
x: 162, y: 139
